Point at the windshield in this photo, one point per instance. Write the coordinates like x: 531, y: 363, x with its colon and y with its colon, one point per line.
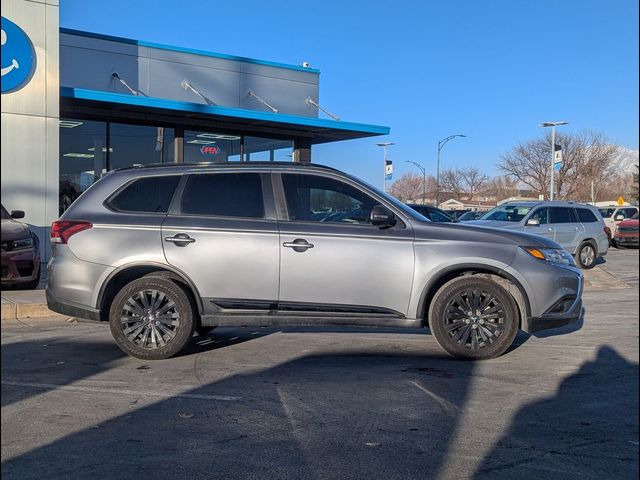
x: 5, y: 214
x: 607, y: 212
x: 507, y: 213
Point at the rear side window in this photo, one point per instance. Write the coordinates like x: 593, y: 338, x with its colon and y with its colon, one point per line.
x: 224, y: 195
x: 146, y: 195
x: 586, y: 216
x: 562, y: 215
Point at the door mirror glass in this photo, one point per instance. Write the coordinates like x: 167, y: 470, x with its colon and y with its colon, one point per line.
x: 619, y: 218
x: 382, y: 217
x: 17, y: 214
x: 533, y: 222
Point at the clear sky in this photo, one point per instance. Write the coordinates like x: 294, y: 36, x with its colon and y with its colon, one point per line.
x: 490, y: 69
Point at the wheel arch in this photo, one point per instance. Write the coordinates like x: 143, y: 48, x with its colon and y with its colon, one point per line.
x: 506, y: 280
x: 126, y: 273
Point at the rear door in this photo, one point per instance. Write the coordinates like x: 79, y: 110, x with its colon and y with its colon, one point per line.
x: 568, y: 230
x: 223, y: 234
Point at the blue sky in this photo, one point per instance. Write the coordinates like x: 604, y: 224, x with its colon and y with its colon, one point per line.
x: 490, y: 69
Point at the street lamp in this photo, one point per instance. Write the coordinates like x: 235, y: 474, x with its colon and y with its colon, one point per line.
x: 553, y: 126
x: 424, y: 179
x: 385, y: 145
x: 441, y: 144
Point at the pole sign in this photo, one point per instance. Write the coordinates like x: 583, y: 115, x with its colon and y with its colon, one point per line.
x: 18, y: 57
x: 388, y: 169
x: 557, y: 157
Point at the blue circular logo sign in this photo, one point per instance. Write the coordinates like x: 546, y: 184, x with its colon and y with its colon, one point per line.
x: 18, y: 57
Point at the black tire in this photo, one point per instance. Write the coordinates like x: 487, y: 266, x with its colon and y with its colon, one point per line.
x: 586, y: 255
x: 490, y: 329
x: 202, y: 331
x: 168, y: 318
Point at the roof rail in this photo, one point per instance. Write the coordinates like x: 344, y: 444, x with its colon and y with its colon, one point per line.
x: 249, y: 164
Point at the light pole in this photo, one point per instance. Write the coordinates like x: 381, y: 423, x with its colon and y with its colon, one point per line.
x: 441, y: 144
x: 385, y: 145
x: 553, y: 126
x: 424, y: 179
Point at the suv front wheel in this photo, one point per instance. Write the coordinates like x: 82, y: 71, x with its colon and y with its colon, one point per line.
x: 586, y: 256
x: 152, y: 318
x: 473, y: 317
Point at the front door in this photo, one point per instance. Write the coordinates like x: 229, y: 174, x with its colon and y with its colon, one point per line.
x: 224, y: 237
x: 544, y: 227
x: 332, y: 258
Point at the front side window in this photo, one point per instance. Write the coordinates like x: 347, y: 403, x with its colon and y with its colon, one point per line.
x: 607, y: 212
x: 562, y: 215
x: 629, y: 212
x: 224, y: 195
x: 320, y: 199
x: 146, y: 195
x: 542, y: 215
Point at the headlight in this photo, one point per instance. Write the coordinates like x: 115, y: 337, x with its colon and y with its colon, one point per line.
x: 22, y: 244
x: 558, y: 256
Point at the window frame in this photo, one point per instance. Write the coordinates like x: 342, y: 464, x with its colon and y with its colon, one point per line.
x: 107, y: 203
x: 268, y: 200
x: 283, y: 211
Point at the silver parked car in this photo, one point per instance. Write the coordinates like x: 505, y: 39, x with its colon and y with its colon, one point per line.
x: 162, y: 251
x: 577, y: 227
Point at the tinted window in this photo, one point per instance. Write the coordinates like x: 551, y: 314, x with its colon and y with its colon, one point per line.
x: 422, y: 210
x: 145, y: 195
x: 542, y: 215
x: 629, y: 212
x: 320, y: 199
x: 606, y: 212
x: 437, y: 216
x: 507, y: 213
x: 586, y: 216
x: 224, y: 195
x: 562, y: 215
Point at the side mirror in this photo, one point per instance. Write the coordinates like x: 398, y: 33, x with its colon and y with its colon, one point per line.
x: 17, y: 214
x: 382, y: 217
x: 619, y: 218
x: 533, y: 222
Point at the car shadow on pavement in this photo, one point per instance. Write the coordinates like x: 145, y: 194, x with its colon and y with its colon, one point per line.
x: 589, y: 429
x: 67, y: 362
x: 358, y: 414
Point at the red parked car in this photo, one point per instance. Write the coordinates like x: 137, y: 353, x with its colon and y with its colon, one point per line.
x: 20, y: 251
x: 627, y: 233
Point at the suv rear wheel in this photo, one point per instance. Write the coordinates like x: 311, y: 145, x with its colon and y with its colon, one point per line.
x: 152, y: 318
x: 473, y: 317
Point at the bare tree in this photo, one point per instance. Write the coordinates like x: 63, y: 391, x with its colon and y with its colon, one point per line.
x: 407, y: 188
x: 452, y: 181
x: 586, y: 156
x: 474, y: 181
x: 501, y: 187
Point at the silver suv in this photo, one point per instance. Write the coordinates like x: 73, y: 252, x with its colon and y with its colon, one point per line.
x: 162, y: 251
x: 577, y: 227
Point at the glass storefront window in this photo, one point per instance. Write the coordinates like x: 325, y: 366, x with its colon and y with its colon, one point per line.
x: 82, y: 157
x: 268, y: 149
x: 210, y: 147
x: 139, y: 145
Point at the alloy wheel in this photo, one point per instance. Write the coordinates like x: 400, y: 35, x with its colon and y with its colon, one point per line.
x: 149, y: 319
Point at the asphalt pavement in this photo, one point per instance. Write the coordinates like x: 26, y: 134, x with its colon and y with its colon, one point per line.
x: 328, y: 403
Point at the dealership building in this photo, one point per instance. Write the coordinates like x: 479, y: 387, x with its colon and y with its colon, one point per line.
x: 76, y: 105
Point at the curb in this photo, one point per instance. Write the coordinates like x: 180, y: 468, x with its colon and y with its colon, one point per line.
x: 16, y: 311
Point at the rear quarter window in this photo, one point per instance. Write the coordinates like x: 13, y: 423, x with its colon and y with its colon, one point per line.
x: 146, y: 195
x: 586, y: 216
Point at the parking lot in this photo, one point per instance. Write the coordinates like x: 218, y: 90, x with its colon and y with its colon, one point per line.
x: 329, y: 403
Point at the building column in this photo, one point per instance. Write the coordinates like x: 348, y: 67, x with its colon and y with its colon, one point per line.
x: 302, y: 150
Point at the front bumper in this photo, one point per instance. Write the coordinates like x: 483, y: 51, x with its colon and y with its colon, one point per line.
x: 575, y: 313
x: 20, y: 266
x: 627, y: 240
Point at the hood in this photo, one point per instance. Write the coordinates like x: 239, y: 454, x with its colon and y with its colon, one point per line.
x: 494, y: 224
x: 472, y: 232
x: 630, y: 222
x: 12, y: 230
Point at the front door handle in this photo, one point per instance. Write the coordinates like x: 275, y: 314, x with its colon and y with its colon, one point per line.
x: 180, y: 239
x: 551, y: 229
x: 298, y: 245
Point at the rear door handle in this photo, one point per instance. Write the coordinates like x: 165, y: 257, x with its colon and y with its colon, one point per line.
x: 298, y: 245
x: 180, y: 239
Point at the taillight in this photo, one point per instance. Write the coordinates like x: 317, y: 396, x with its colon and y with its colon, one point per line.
x: 62, y: 230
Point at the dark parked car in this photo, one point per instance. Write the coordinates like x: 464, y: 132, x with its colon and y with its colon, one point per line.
x: 432, y: 213
x: 20, y: 252
x: 470, y: 215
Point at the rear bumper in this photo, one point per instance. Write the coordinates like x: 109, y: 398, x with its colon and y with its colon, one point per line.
x: 68, y: 308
